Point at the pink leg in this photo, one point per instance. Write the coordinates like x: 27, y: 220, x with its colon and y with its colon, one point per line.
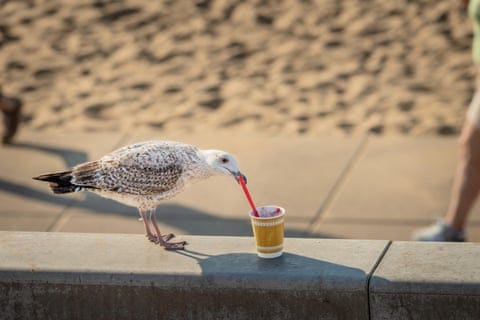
x: 161, y: 239
x: 165, y: 237
x: 148, y: 232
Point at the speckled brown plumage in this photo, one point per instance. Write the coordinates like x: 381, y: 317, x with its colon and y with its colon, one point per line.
x: 144, y: 174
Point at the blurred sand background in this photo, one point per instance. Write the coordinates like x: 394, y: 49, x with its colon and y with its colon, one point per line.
x: 327, y: 67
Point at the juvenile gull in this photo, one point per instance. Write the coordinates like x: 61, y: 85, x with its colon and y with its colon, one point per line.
x: 144, y: 174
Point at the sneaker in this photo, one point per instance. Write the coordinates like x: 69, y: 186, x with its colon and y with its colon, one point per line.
x: 440, y: 231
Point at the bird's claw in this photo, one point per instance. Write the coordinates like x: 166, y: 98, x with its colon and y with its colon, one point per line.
x: 174, y: 245
x: 153, y: 238
x: 167, y: 237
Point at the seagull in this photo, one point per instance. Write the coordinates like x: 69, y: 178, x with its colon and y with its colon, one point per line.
x: 143, y: 175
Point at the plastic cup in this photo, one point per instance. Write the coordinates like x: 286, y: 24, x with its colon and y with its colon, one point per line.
x: 268, y: 231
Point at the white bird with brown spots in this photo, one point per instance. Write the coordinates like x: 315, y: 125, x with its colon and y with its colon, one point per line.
x: 143, y: 175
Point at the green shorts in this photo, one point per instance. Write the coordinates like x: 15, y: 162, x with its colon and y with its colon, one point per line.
x: 474, y: 13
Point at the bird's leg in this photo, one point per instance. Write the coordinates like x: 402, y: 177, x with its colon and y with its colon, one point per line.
x: 161, y: 240
x: 165, y: 237
x: 148, y: 232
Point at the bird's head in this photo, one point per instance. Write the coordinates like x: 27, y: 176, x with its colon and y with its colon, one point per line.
x: 223, y: 163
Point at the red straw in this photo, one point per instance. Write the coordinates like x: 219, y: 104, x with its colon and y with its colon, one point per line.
x: 249, y: 198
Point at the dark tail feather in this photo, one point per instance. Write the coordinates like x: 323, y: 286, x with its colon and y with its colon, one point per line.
x: 59, y: 181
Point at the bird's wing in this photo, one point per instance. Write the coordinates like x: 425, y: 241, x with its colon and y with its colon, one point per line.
x: 140, y: 169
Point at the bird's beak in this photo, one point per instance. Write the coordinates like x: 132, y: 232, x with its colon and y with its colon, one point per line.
x: 237, y: 176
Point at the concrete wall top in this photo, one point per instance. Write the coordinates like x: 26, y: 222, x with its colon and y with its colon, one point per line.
x: 65, y: 275
x: 226, y: 261
x: 425, y: 281
x: 423, y: 267
x: 111, y: 276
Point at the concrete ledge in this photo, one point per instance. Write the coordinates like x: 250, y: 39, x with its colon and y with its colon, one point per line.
x: 85, y: 276
x: 111, y: 276
x: 427, y: 281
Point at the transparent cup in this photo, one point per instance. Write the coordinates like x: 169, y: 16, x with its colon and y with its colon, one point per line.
x: 268, y: 230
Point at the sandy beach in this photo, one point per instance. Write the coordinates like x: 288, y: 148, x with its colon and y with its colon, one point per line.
x: 273, y: 67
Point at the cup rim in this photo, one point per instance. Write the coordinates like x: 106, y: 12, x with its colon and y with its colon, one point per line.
x: 265, y: 218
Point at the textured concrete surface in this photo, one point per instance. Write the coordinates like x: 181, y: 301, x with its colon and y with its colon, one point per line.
x: 394, y: 187
x: 46, y: 275
x: 399, y: 179
x: 427, y: 281
x: 71, y: 275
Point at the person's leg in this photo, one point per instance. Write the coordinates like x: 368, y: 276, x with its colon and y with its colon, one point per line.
x: 466, y: 184
x: 465, y: 189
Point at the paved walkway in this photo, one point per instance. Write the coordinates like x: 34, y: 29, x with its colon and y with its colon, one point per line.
x: 362, y: 188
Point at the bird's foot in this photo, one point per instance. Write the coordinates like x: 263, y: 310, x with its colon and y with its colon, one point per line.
x: 174, y: 245
x: 167, y: 237
x: 153, y: 238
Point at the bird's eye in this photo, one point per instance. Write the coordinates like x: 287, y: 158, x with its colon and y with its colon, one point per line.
x: 223, y: 160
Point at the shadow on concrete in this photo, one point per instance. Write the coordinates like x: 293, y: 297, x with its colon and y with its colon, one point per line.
x: 71, y: 157
x: 190, y: 221
x: 32, y: 193
x: 286, y: 266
